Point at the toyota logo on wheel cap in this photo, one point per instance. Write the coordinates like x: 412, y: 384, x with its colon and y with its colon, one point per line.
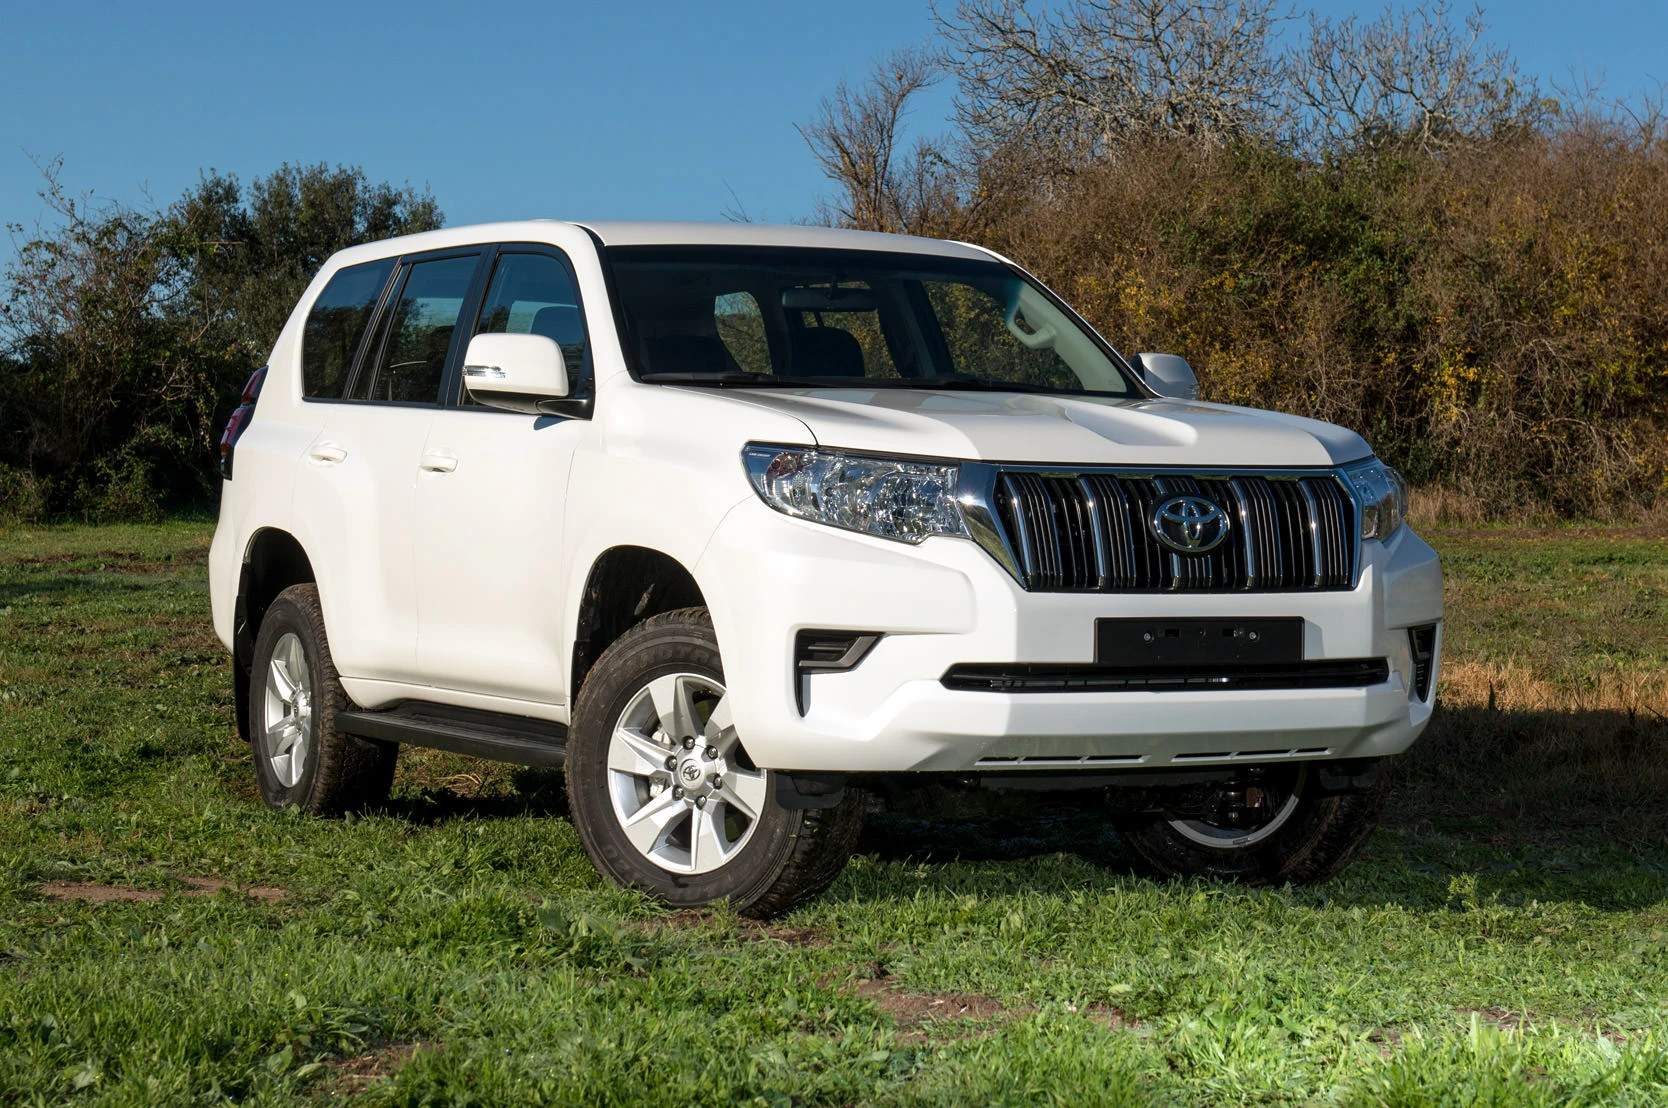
x: 1189, y: 524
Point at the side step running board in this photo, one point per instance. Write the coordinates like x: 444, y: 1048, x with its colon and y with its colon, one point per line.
x: 502, y: 738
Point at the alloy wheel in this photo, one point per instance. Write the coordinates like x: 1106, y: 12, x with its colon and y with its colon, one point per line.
x: 681, y: 786
x: 288, y: 716
x: 1258, y: 812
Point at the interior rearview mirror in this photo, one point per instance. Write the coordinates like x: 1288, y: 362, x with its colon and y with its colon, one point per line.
x: 517, y: 373
x: 829, y: 299
x: 1168, y: 375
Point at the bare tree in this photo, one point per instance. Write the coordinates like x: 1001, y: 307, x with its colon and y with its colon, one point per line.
x: 1099, y: 74
x: 1410, y: 77
x: 857, y: 139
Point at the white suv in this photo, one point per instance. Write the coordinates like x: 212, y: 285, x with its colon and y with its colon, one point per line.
x: 742, y: 522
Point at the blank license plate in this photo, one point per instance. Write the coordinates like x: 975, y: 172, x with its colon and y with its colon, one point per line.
x: 1198, y: 642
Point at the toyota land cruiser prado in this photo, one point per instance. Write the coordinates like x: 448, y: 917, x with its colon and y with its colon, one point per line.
x: 737, y: 521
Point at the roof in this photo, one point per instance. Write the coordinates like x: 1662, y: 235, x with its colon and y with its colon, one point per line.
x: 663, y: 234
x: 649, y: 233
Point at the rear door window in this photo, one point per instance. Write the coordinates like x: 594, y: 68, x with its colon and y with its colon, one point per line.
x: 418, y: 339
x: 335, y: 325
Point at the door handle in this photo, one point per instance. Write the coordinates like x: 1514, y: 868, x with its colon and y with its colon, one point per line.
x: 327, y: 453
x: 437, y: 463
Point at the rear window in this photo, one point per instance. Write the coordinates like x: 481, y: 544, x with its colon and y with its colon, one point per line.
x: 336, y: 324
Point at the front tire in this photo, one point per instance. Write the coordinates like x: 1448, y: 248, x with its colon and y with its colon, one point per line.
x: 301, y: 760
x: 1302, y: 837
x: 663, y: 794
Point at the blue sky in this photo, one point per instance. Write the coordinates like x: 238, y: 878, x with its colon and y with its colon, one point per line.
x: 652, y: 110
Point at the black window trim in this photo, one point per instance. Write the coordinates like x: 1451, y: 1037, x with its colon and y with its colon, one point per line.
x: 374, y: 334
x: 451, y: 387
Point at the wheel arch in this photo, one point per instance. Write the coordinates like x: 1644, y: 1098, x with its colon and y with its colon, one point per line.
x: 273, y: 560
x: 625, y: 586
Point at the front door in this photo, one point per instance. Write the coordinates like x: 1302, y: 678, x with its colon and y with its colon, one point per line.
x: 490, y: 498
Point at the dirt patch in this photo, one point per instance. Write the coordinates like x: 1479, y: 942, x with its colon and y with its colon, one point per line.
x: 207, y: 886
x: 920, y: 1014
x: 1387, y: 1040
x: 1504, y: 1019
x: 749, y: 930
x: 358, y: 1073
x: 57, y: 559
x: 792, y: 936
x: 114, y: 561
x: 913, y: 1009
x: 95, y: 893
x: 1107, y: 1016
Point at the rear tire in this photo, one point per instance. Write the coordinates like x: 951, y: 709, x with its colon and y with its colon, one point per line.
x: 301, y: 760
x: 664, y: 796
x: 1307, y: 838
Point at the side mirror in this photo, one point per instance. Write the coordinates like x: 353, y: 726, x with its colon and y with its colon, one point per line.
x: 517, y: 373
x: 1168, y: 375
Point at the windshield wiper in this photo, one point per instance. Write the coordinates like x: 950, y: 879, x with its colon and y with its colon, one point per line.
x: 980, y: 384
x: 727, y: 380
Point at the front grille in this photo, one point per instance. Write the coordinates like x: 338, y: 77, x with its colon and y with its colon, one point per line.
x: 1091, y: 532
x: 1349, y: 673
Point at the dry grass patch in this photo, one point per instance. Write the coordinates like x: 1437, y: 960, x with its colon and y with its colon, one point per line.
x: 349, y: 1076
x: 437, y: 772
x: 1528, y: 754
x: 1513, y: 686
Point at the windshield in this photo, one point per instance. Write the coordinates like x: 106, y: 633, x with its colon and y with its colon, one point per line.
x: 781, y: 316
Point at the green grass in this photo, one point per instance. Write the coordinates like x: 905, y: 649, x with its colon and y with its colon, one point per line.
x: 1504, y: 940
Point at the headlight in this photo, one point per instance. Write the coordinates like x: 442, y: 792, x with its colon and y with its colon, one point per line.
x: 1382, y: 494
x: 893, y: 499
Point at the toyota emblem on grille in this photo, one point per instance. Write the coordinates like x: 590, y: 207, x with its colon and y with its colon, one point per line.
x: 1189, y: 524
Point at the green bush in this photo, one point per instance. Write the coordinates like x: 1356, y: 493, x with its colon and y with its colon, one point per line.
x: 22, y: 499
x: 126, y: 335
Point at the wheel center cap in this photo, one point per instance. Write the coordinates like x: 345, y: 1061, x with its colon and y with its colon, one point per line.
x: 691, y: 772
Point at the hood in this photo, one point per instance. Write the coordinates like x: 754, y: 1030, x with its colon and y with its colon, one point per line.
x: 1034, y: 428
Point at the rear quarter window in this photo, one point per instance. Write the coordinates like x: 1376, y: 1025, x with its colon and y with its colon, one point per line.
x: 335, y: 325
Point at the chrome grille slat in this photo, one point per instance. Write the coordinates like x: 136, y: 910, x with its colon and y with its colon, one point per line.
x: 1243, y: 513
x: 1313, y: 523
x: 1097, y: 524
x: 1089, y: 531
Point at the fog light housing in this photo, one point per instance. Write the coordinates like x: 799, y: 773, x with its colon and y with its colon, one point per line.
x: 827, y: 652
x: 1421, y: 642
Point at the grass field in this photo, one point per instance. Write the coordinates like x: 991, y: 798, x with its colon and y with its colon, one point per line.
x: 165, y: 939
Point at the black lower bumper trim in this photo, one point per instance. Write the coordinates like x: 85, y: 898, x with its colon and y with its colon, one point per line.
x: 1349, y: 673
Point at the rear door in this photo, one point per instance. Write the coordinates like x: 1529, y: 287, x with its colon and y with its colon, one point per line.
x: 490, y: 501
x: 361, y: 473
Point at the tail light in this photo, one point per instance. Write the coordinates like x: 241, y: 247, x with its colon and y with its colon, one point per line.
x: 241, y: 415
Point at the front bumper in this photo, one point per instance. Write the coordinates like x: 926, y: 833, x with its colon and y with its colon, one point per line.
x: 946, y: 603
